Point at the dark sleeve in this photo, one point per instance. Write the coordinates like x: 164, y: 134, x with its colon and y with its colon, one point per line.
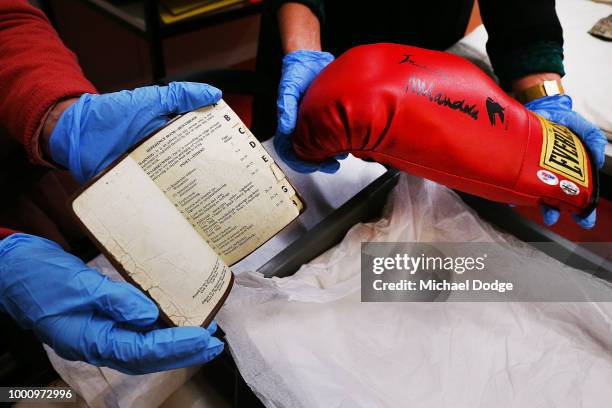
x: 525, y: 37
x: 317, y: 6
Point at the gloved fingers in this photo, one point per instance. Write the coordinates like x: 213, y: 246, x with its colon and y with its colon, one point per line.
x: 587, y: 222
x: 52, y: 282
x: 181, y: 97
x: 550, y: 215
x: 158, y: 350
x: 341, y: 156
x: 282, y: 145
x: 287, y: 106
x: 284, y: 148
x: 212, y: 327
x: 558, y: 109
x: 329, y: 166
x: 119, y: 301
x: 144, y: 129
x: 23, y: 244
x: 596, y: 141
x: 591, y: 135
x: 299, y: 69
x: 543, y: 113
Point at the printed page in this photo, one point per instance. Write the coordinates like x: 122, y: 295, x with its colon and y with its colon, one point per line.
x: 157, y: 248
x: 220, y: 178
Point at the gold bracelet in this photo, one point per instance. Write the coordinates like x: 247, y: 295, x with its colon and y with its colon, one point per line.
x: 546, y: 88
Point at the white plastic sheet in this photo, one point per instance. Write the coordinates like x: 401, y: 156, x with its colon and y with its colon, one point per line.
x: 308, y: 341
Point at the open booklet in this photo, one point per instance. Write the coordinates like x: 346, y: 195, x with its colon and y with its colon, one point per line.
x: 185, y: 204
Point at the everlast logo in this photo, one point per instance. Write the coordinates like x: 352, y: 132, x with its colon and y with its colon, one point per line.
x: 563, y: 152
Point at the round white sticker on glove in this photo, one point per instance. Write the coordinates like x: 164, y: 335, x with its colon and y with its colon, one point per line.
x: 547, y: 177
x: 569, y: 188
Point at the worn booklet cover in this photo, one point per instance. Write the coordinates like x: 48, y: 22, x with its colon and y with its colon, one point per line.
x: 185, y: 204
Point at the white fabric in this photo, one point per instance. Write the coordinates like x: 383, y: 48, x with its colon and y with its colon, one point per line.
x: 308, y: 341
x: 588, y: 60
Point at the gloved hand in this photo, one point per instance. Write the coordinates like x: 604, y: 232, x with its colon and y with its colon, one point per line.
x: 558, y: 108
x: 96, y: 129
x: 299, y: 69
x: 85, y: 316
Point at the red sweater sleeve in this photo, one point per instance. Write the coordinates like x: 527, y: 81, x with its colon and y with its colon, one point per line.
x: 36, y: 71
x: 5, y: 232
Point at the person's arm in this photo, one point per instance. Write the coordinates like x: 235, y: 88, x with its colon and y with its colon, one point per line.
x: 299, y: 28
x: 37, y: 71
x: 526, y: 49
x: 525, y: 41
x: 74, y: 309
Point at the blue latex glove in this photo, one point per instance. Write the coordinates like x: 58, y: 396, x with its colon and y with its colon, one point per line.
x: 96, y: 129
x: 299, y: 69
x: 85, y: 316
x: 558, y: 109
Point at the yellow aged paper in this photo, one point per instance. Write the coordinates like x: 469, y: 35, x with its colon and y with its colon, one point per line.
x: 220, y: 178
x: 157, y: 247
x: 195, y: 197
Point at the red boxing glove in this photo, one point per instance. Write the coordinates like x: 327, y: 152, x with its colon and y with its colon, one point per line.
x: 436, y: 115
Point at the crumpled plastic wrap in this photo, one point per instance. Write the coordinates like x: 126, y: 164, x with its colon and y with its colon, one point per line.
x: 308, y: 341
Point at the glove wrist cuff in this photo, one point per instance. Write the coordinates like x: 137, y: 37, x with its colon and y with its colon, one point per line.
x: 308, y: 55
